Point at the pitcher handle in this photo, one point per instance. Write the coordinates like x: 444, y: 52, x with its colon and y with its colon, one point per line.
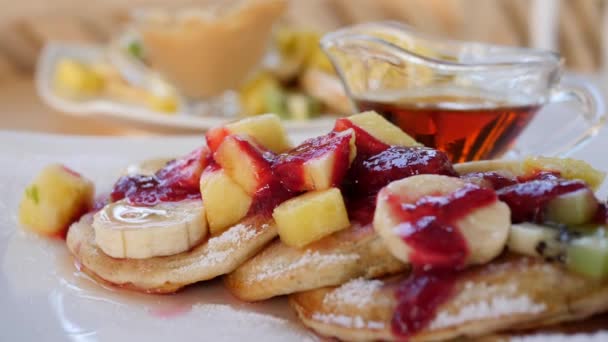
x: 592, y: 111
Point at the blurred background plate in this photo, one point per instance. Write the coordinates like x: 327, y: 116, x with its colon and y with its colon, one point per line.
x: 114, y: 110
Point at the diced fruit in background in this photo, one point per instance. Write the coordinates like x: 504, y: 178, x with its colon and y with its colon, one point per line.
x: 568, y: 168
x: 367, y: 176
x: 318, y: 60
x: 126, y: 231
x: 246, y: 163
x: 536, y: 240
x: 483, y: 224
x: 163, y: 104
x: 310, y: 217
x: 275, y: 100
x: 73, y: 78
x: 297, y: 47
x: 136, y: 49
x: 266, y: 130
x: 573, y: 208
x: 57, y: 197
x: 302, y: 107
x: 252, y: 95
x: 318, y: 163
x: 328, y: 89
x: 374, y: 133
x: 225, y: 202
x: 588, y: 255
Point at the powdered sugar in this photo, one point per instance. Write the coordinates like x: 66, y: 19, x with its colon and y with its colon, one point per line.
x: 599, y: 336
x: 356, y: 322
x: 495, y: 301
x: 309, y: 258
x: 358, y: 292
x: 220, y: 248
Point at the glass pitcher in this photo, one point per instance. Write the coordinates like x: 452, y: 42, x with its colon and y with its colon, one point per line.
x: 471, y: 100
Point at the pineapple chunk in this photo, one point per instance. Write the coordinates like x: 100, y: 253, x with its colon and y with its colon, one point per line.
x: 374, y: 133
x: 568, y: 168
x: 266, y: 130
x: 226, y: 203
x: 310, y: 217
x: 77, y: 79
x: 55, y: 199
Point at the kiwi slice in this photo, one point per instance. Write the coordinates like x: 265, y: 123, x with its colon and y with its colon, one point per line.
x: 588, y: 254
x: 537, y: 241
x: 574, y: 208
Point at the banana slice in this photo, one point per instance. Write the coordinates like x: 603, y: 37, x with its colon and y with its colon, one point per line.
x: 485, y: 229
x: 126, y: 231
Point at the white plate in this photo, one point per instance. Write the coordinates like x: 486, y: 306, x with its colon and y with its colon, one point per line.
x: 110, y: 109
x: 44, y: 298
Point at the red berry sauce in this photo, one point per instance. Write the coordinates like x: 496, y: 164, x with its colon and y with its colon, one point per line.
x: 418, y: 298
x: 601, y: 215
x: 269, y: 197
x: 289, y: 166
x: 367, y: 176
x: 438, y: 250
x: 361, y: 209
x: 178, y: 180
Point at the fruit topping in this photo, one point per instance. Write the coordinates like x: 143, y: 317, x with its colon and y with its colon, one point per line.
x: 226, y: 203
x: 568, y: 168
x: 310, y: 217
x: 248, y: 164
x: 126, y: 231
x: 433, y: 221
x: 577, y: 207
x: 318, y: 163
x: 529, y: 200
x: 537, y: 241
x: 56, y: 198
x: 266, y: 130
x: 565, y: 167
x: 178, y: 180
x: 369, y: 175
x: 588, y: 255
x: 374, y: 133
x: 584, y: 249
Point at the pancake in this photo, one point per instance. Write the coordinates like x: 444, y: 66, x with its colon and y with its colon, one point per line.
x: 216, y: 256
x: 279, y: 269
x: 511, y: 293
